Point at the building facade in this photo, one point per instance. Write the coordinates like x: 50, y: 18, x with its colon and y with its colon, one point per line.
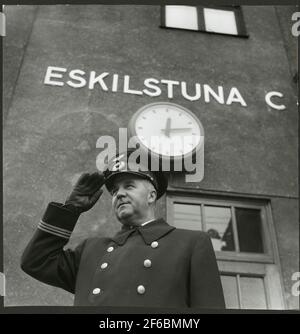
x: 75, y: 73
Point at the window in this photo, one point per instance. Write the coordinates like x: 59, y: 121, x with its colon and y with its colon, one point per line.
x: 235, y: 228
x: 242, y: 236
x: 251, y: 285
x: 182, y: 17
x: 226, y: 20
x: 220, y: 21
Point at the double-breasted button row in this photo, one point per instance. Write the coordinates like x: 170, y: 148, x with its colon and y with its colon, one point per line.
x: 105, y: 264
x: 147, y: 264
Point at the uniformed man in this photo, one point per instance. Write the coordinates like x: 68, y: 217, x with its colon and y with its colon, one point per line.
x: 147, y: 263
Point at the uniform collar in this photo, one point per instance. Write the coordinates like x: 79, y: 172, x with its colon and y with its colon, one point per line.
x: 150, y: 232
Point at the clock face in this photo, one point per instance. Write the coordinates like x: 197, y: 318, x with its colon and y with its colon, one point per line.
x: 167, y: 129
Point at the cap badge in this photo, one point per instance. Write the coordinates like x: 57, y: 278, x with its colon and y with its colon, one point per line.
x: 119, y: 164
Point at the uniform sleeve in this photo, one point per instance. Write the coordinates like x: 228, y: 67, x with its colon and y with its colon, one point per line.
x: 205, y: 283
x: 44, y: 257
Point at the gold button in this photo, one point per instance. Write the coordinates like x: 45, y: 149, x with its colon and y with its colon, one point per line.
x: 110, y: 249
x: 96, y: 291
x: 147, y: 263
x: 154, y: 244
x: 104, y: 265
x: 141, y: 289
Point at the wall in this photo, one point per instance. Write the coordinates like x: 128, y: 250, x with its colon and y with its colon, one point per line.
x: 50, y: 131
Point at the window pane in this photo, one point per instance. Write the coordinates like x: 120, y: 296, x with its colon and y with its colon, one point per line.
x: 218, y: 224
x: 230, y: 290
x: 184, y: 17
x: 249, y: 227
x: 187, y: 216
x: 253, y: 293
x: 221, y: 21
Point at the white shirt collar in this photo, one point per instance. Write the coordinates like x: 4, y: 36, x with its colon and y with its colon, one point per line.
x: 147, y: 222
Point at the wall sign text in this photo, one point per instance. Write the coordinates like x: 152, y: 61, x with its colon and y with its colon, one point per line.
x: 107, y: 82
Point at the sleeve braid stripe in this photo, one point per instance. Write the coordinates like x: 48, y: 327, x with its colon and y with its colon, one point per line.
x: 54, y: 233
x: 53, y: 230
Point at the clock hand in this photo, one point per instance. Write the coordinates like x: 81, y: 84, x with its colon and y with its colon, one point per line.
x: 168, y: 127
x: 180, y: 129
x: 176, y: 129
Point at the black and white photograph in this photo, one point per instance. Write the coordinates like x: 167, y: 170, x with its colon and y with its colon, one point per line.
x: 150, y: 156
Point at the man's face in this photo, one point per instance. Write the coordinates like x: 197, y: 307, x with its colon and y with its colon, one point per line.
x: 131, y: 198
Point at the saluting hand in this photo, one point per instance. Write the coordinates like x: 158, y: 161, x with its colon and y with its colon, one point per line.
x: 86, y: 191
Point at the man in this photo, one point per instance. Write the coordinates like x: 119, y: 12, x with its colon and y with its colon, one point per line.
x: 147, y: 263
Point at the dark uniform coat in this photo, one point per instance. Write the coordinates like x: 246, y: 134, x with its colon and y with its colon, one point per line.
x: 155, y: 265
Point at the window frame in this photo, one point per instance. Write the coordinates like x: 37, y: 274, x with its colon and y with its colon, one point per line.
x: 270, y: 273
x: 269, y: 241
x: 239, y: 19
x: 244, y: 264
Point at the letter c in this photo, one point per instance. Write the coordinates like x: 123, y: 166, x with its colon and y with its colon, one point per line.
x: 272, y: 104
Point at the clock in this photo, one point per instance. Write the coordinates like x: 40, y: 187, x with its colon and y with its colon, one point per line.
x: 167, y: 130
